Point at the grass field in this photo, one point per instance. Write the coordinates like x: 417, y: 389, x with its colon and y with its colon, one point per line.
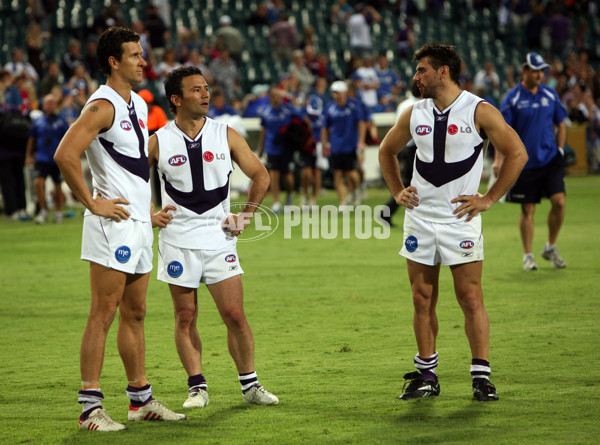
x: 332, y: 325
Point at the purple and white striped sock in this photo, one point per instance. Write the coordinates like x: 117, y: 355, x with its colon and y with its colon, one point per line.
x: 480, y: 369
x: 427, y: 366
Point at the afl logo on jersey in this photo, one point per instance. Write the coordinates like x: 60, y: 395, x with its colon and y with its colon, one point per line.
x: 208, y: 156
x: 230, y: 258
x: 467, y: 244
x: 126, y: 125
x: 452, y: 129
x: 174, y: 269
x: 141, y: 123
x: 122, y: 254
x: 423, y: 130
x: 177, y: 160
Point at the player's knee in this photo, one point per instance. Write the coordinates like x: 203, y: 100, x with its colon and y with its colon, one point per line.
x: 421, y: 302
x: 234, y: 318
x: 133, y: 314
x: 185, y: 317
x: 470, y: 302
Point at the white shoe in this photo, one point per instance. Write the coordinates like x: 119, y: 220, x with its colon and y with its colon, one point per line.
x: 198, y: 398
x: 529, y: 263
x: 42, y: 217
x: 99, y: 421
x: 276, y: 207
x: 554, y: 257
x: 153, y: 410
x: 58, y: 217
x: 260, y: 396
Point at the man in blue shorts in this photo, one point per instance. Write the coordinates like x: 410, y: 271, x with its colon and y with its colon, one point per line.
x: 535, y: 110
x: 343, y: 136
x: 44, y: 135
x: 274, y: 117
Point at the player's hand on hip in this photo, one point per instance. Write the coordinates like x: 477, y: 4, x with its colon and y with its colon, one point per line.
x: 408, y: 197
x: 471, y: 206
x: 110, y: 208
x: 162, y: 217
x: 235, y: 224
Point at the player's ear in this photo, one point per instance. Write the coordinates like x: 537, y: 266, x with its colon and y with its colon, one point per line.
x: 175, y: 100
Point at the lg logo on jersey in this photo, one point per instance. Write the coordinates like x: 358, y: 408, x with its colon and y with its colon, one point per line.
x: 209, y: 156
x: 453, y: 129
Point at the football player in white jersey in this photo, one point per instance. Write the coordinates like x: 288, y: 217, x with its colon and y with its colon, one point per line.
x: 194, y: 156
x: 442, y: 220
x: 117, y: 233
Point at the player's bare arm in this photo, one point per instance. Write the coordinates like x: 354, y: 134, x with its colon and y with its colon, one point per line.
x: 253, y: 169
x: 394, y: 142
x: 162, y: 217
x: 490, y: 122
x: 96, y: 117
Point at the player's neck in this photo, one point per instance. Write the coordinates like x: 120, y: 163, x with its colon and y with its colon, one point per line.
x: 532, y: 89
x: 447, y: 97
x: 121, y: 87
x: 190, y: 125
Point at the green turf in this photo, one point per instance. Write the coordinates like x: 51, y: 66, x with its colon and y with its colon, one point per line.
x: 332, y: 325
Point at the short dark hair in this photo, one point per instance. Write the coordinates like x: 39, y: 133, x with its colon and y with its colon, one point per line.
x: 441, y: 54
x: 172, y: 83
x: 110, y: 44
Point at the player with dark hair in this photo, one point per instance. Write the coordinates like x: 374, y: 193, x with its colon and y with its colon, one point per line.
x: 117, y: 228
x: 195, y: 156
x: 442, y: 223
x: 535, y: 111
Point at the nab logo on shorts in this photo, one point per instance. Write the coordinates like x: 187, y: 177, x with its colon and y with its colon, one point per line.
x: 126, y: 125
x: 141, y: 123
x: 177, y: 160
x: 230, y: 258
x: 423, y: 130
x: 411, y: 243
x: 174, y: 269
x: 467, y: 244
x: 122, y: 254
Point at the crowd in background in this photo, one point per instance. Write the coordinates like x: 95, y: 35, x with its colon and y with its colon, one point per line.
x: 549, y: 26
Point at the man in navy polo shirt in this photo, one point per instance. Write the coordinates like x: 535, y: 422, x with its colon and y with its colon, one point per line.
x: 274, y: 116
x: 44, y: 136
x: 343, y: 135
x: 534, y: 110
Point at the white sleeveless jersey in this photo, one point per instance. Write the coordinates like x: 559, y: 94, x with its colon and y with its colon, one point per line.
x: 194, y: 177
x: 449, y: 157
x: 118, y: 157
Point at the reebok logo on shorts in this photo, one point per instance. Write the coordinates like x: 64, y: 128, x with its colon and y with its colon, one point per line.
x: 174, y: 269
x: 122, y: 254
x: 411, y: 243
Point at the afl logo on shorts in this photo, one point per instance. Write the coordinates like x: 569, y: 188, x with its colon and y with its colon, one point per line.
x: 411, y: 243
x: 467, y: 244
x: 177, y: 160
x: 208, y: 156
x: 141, y: 123
x: 126, y: 125
x: 122, y: 254
x: 230, y: 258
x: 452, y: 129
x: 174, y: 269
x: 423, y: 130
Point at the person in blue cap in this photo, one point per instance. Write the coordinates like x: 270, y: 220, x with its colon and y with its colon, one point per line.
x: 535, y: 111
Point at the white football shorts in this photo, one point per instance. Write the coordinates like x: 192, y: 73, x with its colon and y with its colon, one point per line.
x: 431, y: 243
x: 190, y: 267
x: 125, y: 246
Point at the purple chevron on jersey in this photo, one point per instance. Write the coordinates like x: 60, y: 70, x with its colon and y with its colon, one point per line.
x: 136, y: 166
x: 199, y: 200
x: 439, y: 172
